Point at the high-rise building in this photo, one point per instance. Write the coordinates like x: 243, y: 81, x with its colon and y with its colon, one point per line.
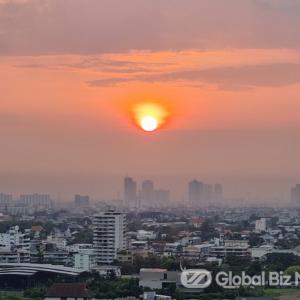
x: 81, y: 200
x: 5, y: 201
x: 36, y: 202
x: 5, y: 198
x: 147, y: 193
x: 218, y: 192
x: 196, y: 191
x: 109, y: 229
x: 295, y: 195
x: 130, y: 192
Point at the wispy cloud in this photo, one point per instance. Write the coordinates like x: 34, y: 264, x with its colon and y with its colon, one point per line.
x: 224, y: 77
x: 234, y: 69
x: 109, y: 81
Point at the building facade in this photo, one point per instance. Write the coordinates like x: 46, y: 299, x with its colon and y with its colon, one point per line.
x: 195, y: 192
x: 109, y: 229
x: 130, y: 192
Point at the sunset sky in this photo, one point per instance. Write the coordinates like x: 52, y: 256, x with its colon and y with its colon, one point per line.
x: 71, y: 71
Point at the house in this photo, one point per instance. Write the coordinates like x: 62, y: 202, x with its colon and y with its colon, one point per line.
x: 36, y: 230
x: 157, y: 279
x: 68, y: 291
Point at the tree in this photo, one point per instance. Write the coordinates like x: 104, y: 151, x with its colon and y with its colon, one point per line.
x: 208, y: 230
x: 84, y: 236
x: 281, y: 261
x: 292, y: 270
x: 35, y: 293
x: 170, y: 264
x: 104, y: 288
x: 237, y: 261
x: 254, y: 268
x: 128, y: 268
x: 255, y: 240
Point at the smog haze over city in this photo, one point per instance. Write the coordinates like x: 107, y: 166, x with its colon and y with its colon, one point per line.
x: 72, y: 73
x: 149, y: 149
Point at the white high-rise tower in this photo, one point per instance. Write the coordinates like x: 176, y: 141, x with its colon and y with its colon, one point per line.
x: 109, y: 230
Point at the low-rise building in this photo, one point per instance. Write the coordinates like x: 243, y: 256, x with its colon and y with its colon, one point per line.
x: 143, y: 235
x: 155, y: 296
x: 158, y: 279
x: 14, y: 238
x: 69, y: 291
x: 125, y: 256
x: 261, y: 225
x: 231, y: 248
x: 8, y: 255
x: 84, y: 261
x: 197, y: 251
x: 56, y: 257
x: 107, y: 271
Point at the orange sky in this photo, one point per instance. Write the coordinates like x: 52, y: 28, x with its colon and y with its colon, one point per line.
x: 212, y: 89
x: 67, y: 80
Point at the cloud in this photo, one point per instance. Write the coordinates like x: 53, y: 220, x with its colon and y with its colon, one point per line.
x: 242, y: 76
x: 107, y: 82
x: 275, y: 75
x: 114, y: 66
x: 99, y: 64
x: 100, y: 26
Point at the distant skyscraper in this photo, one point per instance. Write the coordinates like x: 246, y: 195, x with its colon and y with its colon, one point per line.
x: 196, y: 191
x: 37, y: 202
x: 109, y: 230
x: 295, y: 195
x: 5, y: 201
x: 147, y: 193
x: 5, y: 198
x: 130, y: 192
x: 81, y: 200
x: 218, y: 192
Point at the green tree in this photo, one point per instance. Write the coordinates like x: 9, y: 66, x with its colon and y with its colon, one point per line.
x: 35, y: 293
x: 292, y: 270
x: 281, y: 261
x: 208, y: 230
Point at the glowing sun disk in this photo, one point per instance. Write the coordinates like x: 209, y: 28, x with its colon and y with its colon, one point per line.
x: 150, y: 116
x: 149, y: 123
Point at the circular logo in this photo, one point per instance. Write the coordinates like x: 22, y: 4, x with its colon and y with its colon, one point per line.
x: 196, y: 279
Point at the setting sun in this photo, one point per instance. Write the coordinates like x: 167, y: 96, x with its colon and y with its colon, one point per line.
x: 149, y: 123
x: 150, y: 116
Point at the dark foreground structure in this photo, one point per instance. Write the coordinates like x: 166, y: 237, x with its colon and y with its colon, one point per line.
x: 24, y: 276
x: 69, y: 291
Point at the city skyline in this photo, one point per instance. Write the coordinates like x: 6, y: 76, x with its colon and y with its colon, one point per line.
x: 147, y: 194
x: 149, y: 149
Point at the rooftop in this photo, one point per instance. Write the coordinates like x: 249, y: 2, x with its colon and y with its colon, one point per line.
x: 69, y: 290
